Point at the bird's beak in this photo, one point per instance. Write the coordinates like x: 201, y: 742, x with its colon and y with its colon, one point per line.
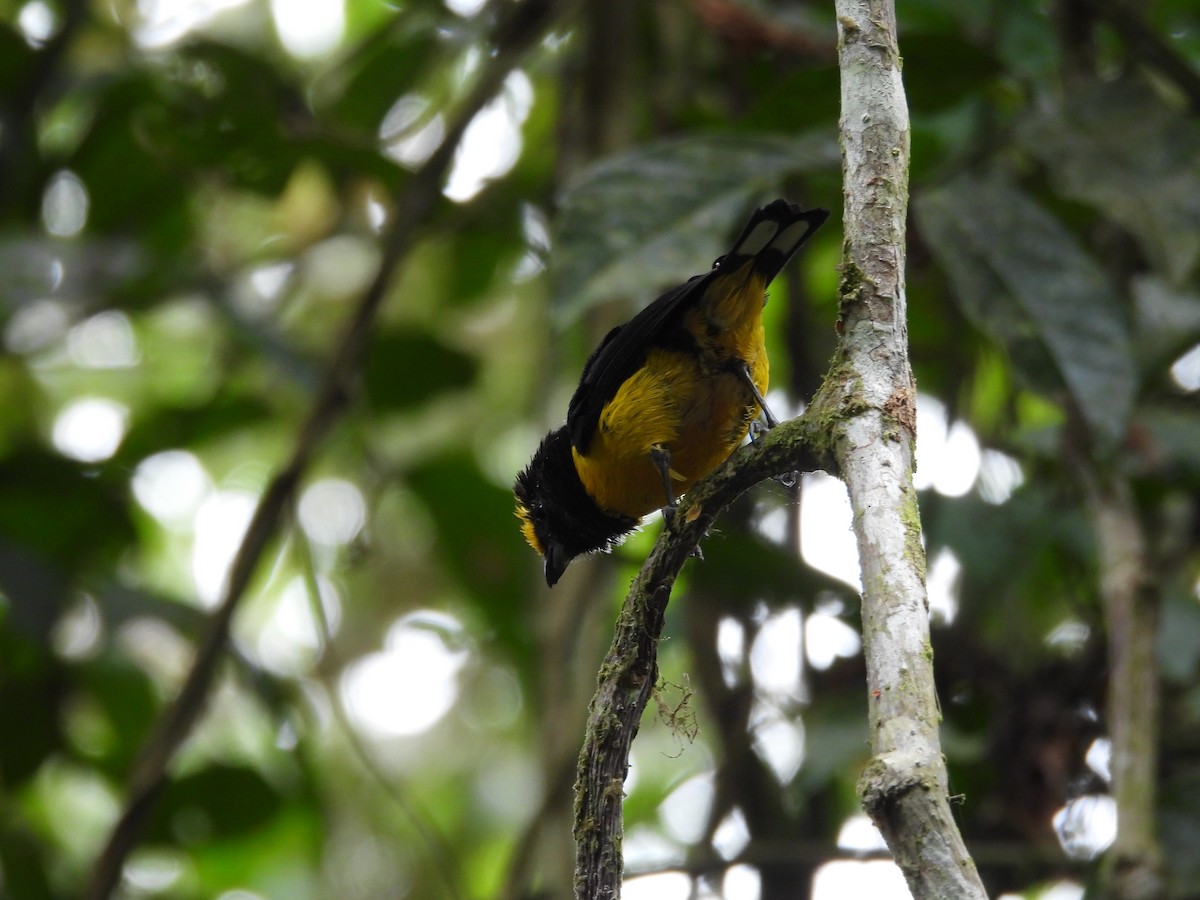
x: 556, y: 563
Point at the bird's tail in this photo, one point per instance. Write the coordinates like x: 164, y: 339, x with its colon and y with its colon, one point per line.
x: 772, y: 235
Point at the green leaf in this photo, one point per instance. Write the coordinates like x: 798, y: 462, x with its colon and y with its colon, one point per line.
x: 1121, y: 148
x: 23, y: 859
x: 1026, y: 565
x: 16, y: 61
x: 772, y: 92
x: 32, y: 699
x: 407, y: 368
x: 1021, y: 276
x: 236, y: 114
x: 478, y: 252
x: 233, y: 801
x: 131, y: 188
x: 62, y: 512
x: 656, y: 216
x: 192, y: 425
x: 835, y: 732
x: 36, y: 590
x: 129, y: 700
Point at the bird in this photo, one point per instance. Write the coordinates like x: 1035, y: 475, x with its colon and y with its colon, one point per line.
x: 662, y: 401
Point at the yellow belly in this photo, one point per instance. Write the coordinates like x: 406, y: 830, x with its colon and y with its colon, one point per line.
x: 698, y: 415
x: 691, y: 402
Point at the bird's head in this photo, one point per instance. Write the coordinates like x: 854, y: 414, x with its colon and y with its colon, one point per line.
x: 559, y: 519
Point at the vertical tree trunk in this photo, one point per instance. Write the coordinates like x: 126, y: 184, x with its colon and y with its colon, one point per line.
x: 904, y: 787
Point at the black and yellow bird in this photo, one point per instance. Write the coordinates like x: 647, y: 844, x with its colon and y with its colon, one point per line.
x: 663, y: 400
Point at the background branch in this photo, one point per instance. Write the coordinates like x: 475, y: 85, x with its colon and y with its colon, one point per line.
x: 19, y: 107
x: 904, y: 788
x: 414, y: 206
x: 1134, y: 865
x: 1149, y: 47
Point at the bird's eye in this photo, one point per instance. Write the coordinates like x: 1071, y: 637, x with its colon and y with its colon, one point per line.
x: 717, y: 262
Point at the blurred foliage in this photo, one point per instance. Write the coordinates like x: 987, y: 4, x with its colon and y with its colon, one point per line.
x: 190, y: 206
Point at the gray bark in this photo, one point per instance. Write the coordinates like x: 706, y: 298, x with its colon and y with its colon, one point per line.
x: 904, y: 788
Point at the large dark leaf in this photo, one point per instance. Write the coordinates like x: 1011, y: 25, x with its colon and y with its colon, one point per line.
x: 192, y: 425
x: 234, y: 114
x: 31, y: 695
x: 230, y: 800
x: 131, y: 187
x: 16, y: 60
x: 1121, y: 148
x: 647, y: 220
x: 407, y: 368
x: 23, y: 859
x: 129, y: 700
x: 36, y: 590
x: 1021, y: 276
x: 64, y: 513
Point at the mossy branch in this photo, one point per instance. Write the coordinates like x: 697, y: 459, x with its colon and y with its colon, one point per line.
x: 630, y: 669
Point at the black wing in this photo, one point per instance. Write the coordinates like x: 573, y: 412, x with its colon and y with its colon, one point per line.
x: 620, y: 354
x: 770, y: 238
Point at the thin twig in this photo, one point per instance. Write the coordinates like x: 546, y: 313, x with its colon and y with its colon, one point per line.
x: 415, y: 204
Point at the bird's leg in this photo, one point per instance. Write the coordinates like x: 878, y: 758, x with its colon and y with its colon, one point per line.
x: 661, y: 457
x: 744, y: 373
x: 788, y: 479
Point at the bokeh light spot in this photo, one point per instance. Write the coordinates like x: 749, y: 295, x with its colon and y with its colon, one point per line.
x: 412, y: 683
x: 219, y: 523
x: 332, y: 511
x: 65, y: 205
x: 90, y: 429
x: 171, y: 486
x: 309, y: 28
